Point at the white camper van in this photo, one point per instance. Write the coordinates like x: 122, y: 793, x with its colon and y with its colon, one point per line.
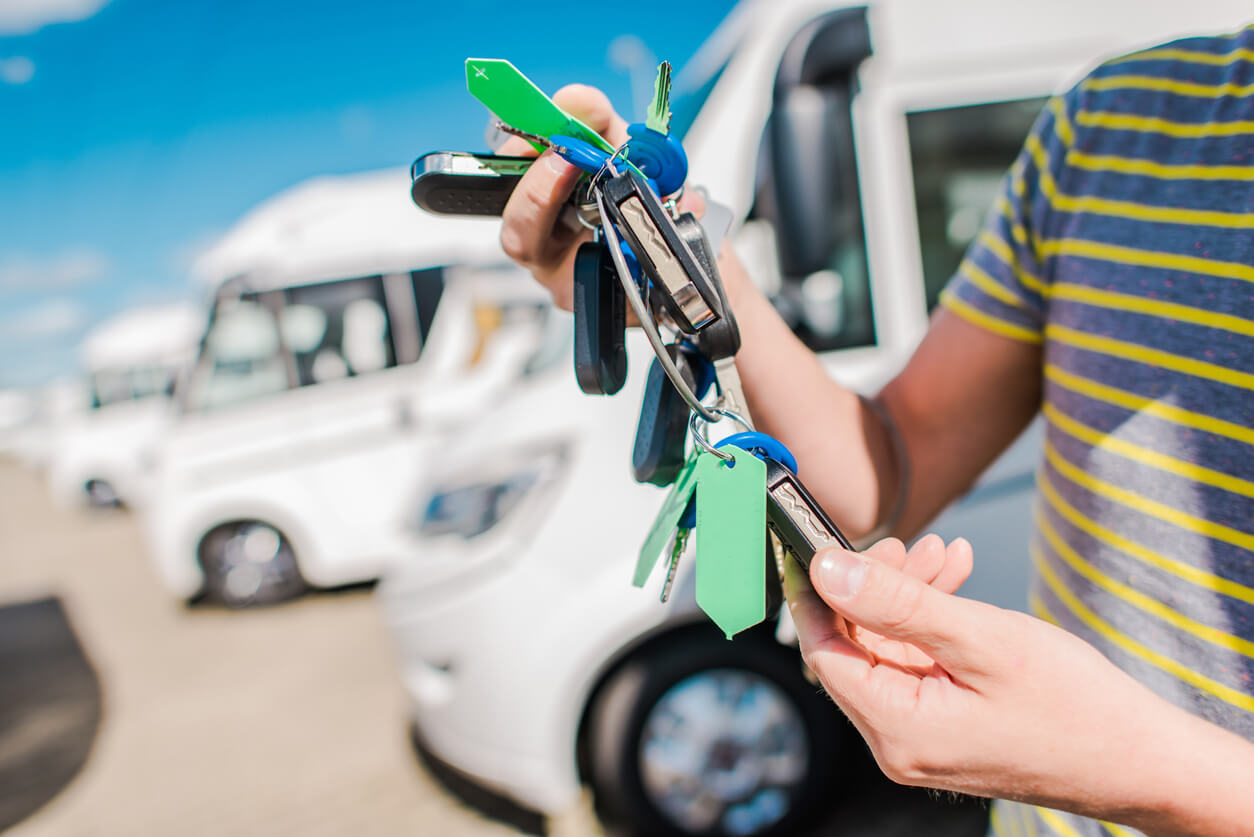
x: 97, y: 454
x: 349, y: 334
x: 859, y: 147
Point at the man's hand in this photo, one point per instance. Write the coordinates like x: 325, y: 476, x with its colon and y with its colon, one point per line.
x: 531, y: 233
x: 955, y: 694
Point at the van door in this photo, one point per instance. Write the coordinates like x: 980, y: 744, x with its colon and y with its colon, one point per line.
x: 828, y: 136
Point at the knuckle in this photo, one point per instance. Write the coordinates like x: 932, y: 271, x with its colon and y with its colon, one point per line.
x: 515, y: 243
x: 899, y: 763
x: 904, y: 601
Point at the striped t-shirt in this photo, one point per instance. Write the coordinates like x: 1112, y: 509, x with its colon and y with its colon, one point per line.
x: 1123, y: 241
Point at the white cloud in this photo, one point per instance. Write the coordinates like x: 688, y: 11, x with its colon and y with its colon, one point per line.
x: 66, y: 270
x: 56, y: 318
x: 16, y: 70
x: 21, y: 17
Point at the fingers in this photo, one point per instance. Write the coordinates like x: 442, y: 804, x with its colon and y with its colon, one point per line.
x: 592, y: 107
x: 530, y: 232
x: 825, y: 643
x: 925, y: 559
x: 693, y: 201
x: 880, y: 598
x: 959, y: 560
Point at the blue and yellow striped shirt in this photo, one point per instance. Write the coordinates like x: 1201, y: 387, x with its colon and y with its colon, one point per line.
x: 1123, y: 241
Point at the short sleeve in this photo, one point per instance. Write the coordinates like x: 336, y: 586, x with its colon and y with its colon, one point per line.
x: 1000, y: 285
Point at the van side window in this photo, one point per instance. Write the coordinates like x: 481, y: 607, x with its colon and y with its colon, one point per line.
x: 240, y: 357
x: 428, y: 288
x: 957, y: 157
x: 337, y: 329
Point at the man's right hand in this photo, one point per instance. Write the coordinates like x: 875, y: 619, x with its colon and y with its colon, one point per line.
x: 531, y: 233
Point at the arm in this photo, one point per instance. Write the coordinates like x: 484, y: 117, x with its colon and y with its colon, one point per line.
x: 955, y: 694
x: 959, y: 372
x: 960, y: 376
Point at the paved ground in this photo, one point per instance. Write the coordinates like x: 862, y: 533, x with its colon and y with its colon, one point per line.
x: 287, y: 720
x: 282, y: 721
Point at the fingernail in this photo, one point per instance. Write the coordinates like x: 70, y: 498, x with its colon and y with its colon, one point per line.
x: 841, y: 574
x: 555, y: 163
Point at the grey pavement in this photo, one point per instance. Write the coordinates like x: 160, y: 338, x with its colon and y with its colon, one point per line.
x: 288, y: 720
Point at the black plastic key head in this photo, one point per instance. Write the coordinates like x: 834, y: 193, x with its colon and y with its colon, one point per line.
x: 664, y: 255
x: 796, y: 518
x: 600, y: 308
x: 720, y: 338
x: 658, y: 454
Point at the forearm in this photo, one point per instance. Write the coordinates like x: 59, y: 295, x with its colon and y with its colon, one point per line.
x: 844, y: 453
x: 1200, y: 784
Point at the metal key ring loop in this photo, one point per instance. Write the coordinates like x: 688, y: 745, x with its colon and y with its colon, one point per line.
x: 646, y: 322
x: 699, y: 439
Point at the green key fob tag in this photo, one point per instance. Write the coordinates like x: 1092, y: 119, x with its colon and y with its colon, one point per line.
x: 517, y: 102
x: 731, y: 539
x: 666, y: 520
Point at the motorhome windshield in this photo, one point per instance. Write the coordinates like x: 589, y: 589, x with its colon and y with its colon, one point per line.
x: 122, y: 384
x: 261, y: 343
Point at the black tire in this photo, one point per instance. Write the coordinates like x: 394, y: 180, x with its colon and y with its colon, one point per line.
x: 618, y: 716
x: 237, y: 581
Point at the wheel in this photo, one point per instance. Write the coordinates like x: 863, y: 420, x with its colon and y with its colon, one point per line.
x: 700, y: 736
x: 249, y: 563
x: 101, y: 495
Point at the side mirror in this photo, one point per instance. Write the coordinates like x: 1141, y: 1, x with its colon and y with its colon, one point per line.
x: 807, y: 179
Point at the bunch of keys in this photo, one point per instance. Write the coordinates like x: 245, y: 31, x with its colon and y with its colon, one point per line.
x: 649, y: 256
x: 730, y: 495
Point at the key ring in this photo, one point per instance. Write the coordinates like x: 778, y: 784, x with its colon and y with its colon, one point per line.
x: 646, y: 321
x: 701, y: 441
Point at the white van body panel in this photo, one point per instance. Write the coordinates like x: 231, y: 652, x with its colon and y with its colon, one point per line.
x: 113, y: 441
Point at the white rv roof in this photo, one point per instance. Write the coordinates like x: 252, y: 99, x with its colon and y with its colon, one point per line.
x: 336, y: 227
x: 162, y: 334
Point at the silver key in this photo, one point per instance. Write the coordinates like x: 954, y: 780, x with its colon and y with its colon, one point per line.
x: 731, y: 391
x: 677, y: 551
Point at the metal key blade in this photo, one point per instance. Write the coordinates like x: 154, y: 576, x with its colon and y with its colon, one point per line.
x: 677, y: 551
x: 795, y: 516
x: 518, y: 102
x: 659, y: 115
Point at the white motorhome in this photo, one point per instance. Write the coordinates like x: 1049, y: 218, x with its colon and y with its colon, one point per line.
x: 859, y: 147
x: 349, y: 334
x: 97, y: 454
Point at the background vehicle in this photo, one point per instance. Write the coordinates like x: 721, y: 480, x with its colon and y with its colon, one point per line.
x: 97, y: 454
x: 349, y: 333
x: 861, y: 149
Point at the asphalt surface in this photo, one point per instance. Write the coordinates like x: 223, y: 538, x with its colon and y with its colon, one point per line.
x: 123, y: 711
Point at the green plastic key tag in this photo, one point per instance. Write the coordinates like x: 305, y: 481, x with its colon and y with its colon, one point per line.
x: 517, y: 102
x: 731, y: 539
x: 668, y: 518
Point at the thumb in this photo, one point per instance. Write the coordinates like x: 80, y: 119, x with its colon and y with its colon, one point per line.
x: 592, y: 107
x: 881, y: 598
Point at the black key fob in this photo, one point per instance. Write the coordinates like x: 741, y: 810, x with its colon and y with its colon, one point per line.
x: 796, y: 517
x: 461, y: 183
x: 665, y: 257
x: 662, y: 432
x: 720, y: 338
x: 600, y: 307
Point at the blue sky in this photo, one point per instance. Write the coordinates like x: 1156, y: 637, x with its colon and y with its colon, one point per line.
x: 132, y: 132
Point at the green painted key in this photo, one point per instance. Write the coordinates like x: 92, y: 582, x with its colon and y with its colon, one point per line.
x: 517, y: 102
